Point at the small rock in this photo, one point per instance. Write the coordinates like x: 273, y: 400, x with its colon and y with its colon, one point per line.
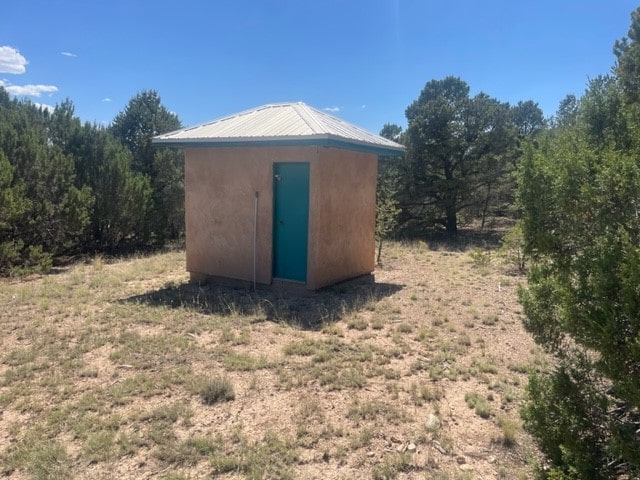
x: 466, y: 467
x: 491, y: 459
x: 411, y: 447
x: 401, y: 448
x: 371, y: 454
x: 395, y: 439
x: 438, y: 447
x: 432, y: 423
x: 461, y: 460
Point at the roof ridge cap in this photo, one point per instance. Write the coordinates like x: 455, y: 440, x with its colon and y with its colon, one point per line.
x: 306, y: 114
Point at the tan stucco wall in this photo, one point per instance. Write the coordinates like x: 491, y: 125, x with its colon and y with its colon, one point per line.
x: 343, y: 201
x: 220, y: 186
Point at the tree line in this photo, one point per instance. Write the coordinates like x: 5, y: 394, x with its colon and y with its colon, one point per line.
x: 572, y: 183
x: 461, y: 157
x: 68, y: 187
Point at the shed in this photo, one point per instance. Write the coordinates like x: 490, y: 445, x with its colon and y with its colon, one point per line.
x: 282, y: 192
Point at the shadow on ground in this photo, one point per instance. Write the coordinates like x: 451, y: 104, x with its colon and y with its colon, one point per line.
x: 465, y: 239
x: 468, y: 237
x: 308, y: 310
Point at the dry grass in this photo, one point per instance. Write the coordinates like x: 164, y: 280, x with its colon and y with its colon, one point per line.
x: 117, y: 369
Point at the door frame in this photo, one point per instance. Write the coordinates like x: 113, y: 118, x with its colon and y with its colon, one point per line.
x: 274, y: 169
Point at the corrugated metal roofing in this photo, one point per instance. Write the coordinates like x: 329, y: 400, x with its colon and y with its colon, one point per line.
x: 280, y: 124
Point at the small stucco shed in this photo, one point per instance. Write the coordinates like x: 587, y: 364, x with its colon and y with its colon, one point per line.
x: 282, y: 192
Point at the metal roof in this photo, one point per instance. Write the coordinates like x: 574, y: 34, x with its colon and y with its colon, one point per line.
x: 280, y: 124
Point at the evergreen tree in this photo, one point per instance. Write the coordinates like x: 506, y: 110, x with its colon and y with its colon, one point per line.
x: 458, y: 149
x: 144, y: 117
x: 580, y: 192
x: 46, y: 213
x: 123, y: 197
x: 13, y: 206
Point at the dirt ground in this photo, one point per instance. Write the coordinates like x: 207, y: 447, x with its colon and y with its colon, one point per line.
x: 122, y: 369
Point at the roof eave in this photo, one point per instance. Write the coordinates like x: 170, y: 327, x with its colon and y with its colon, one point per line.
x: 319, y: 140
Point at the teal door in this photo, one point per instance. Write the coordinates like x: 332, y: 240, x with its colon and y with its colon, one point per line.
x: 290, y: 220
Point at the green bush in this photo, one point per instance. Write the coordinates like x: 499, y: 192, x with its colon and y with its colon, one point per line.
x: 580, y: 193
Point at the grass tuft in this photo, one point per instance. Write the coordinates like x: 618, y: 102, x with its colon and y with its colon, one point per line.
x: 218, y: 389
x: 479, y: 403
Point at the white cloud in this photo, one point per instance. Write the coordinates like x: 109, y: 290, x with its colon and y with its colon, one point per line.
x: 68, y: 54
x: 49, y: 108
x: 28, y: 90
x: 363, y: 106
x: 11, y: 61
x: 106, y: 99
x: 333, y: 109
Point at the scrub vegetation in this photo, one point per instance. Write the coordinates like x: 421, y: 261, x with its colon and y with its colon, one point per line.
x: 121, y: 368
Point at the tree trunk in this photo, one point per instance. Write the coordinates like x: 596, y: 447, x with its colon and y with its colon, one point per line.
x: 451, y: 212
x: 379, y: 251
x: 485, y: 207
x: 450, y: 209
x: 452, y: 221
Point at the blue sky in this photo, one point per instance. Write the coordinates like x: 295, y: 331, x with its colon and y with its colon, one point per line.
x: 365, y: 61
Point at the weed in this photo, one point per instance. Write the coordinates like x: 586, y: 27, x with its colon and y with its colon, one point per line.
x: 377, y: 323
x: 337, y: 378
x: 21, y: 356
x: 304, y: 348
x: 362, y: 438
x: 391, y: 374
x: 218, y: 389
x: 170, y: 413
x: 271, y: 457
x: 439, y: 321
x: 405, y: 327
x: 519, y: 367
x: 333, y: 329
x: 188, y: 452
x: 480, y: 258
x: 308, y: 411
x: 485, y: 366
x: 228, y: 335
x: 357, y: 323
x: 421, y: 393
x: 392, y: 466
x: 243, y: 362
x: 490, y: 320
x: 509, y: 428
x: 99, y: 446
x: 42, y: 458
x: 479, y: 403
x: 393, y: 390
x: 436, y: 372
x: 372, y: 410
